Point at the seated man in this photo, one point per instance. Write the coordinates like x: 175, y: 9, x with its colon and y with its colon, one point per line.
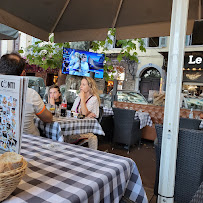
x: 13, y: 64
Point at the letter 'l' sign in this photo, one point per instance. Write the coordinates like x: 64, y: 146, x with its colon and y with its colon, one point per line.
x: 198, y: 60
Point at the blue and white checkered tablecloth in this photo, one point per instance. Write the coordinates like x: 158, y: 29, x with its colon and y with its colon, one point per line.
x: 63, y: 127
x: 144, y: 117
x: 66, y: 173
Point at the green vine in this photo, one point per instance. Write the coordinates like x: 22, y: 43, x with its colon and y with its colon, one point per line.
x: 45, y: 54
x: 127, y: 51
x: 49, y: 54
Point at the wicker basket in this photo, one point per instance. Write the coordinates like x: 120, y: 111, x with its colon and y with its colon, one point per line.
x: 10, y: 180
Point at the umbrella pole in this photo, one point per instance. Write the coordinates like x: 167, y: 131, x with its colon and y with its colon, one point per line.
x: 172, y: 102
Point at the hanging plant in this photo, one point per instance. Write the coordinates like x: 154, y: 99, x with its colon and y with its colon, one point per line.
x: 45, y: 54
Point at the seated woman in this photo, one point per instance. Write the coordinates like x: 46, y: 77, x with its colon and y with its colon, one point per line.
x: 87, y: 104
x: 54, y: 95
x: 88, y: 101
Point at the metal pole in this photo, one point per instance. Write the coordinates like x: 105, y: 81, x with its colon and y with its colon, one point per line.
x: 172, y: 102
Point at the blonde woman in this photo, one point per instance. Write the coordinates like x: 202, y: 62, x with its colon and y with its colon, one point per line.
x: 87, y: 104
x: 88, y: 101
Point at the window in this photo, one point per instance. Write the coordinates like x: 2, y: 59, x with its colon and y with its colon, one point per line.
x: 155, y: 41
x: 117, y: 46
x: 151, y: 72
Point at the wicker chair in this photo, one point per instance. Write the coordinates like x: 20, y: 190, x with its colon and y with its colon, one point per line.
x: 126, y: 128
x: 198, y: 197
x: 189, y: 123
x: 107, y: 126
x: 100, y: 114
x: 189, y: 164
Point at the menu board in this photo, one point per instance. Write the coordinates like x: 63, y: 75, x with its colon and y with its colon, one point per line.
x: 12, y: 106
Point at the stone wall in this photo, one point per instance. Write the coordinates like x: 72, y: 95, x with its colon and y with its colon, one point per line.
x: 129, y: 81
x: 100, y: 84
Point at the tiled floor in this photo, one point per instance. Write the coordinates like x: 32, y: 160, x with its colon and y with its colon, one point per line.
x: 144, y: 158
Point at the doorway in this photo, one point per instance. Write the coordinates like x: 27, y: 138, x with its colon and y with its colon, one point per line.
x: 150, y: 80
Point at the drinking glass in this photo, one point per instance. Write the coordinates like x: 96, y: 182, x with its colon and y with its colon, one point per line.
x: 57, y: 111
x: 52, y: 109
x: 68, y: 113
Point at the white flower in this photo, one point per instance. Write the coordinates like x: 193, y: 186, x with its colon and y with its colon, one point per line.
x: 43, y: 52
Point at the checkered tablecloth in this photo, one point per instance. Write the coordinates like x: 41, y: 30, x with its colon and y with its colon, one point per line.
x: 61, y: 172
x: 62, y: 128
x: 144, y: 117
x: 201, y: 125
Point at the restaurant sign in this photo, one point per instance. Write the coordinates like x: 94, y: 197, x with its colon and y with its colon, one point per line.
x: 193, y: 76
x: 192, y: 62
x: 193, y: 72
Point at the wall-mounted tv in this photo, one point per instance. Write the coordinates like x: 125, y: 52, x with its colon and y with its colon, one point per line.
x: 82, y: 63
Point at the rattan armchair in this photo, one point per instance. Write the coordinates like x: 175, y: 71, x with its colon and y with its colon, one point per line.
x: 126, y: 128
x: 189, y: 164
x: 189, y: 123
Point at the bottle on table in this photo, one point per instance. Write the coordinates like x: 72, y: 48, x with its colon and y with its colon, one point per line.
x: 191, y: 113
x: 64, y: 106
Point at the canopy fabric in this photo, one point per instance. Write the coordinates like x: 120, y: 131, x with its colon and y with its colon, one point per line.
x: 79, y: 20
x: 7, y: 33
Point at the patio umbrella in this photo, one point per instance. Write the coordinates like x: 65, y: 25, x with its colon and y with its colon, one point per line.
x: 89, y: 20
x: 7, y: 33
x: 79, y: 20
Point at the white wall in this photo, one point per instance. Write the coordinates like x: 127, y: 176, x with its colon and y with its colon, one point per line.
x: 4, y: 47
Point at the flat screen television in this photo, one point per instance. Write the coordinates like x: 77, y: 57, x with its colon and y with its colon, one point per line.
x: 82, y: 63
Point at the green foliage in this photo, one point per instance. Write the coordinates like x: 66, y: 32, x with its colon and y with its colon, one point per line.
x: 49, y: 54
x: 45, y: 54
x: 127, y: 51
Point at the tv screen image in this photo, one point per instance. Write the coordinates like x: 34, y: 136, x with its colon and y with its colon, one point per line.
x: 82, y: 63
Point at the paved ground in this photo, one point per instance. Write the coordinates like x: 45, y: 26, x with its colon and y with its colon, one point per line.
x: 144, y: 158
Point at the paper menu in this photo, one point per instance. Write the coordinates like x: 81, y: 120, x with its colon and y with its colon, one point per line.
x: 12, y: 102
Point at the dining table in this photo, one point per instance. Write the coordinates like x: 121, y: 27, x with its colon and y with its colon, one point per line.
x: 144, y: 117
x: 63, y: 127
x: 66, y: 173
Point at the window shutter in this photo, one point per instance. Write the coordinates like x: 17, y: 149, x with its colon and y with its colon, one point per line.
x: 146, y: 42
x: 162, y: 41
x: 109, y: 45
x: 187, y: 40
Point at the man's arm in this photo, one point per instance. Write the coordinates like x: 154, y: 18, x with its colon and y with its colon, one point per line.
x: 46, y: 116
x: 39, y: 107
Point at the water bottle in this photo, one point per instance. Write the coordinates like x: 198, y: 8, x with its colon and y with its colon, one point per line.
x: 191, y: 113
